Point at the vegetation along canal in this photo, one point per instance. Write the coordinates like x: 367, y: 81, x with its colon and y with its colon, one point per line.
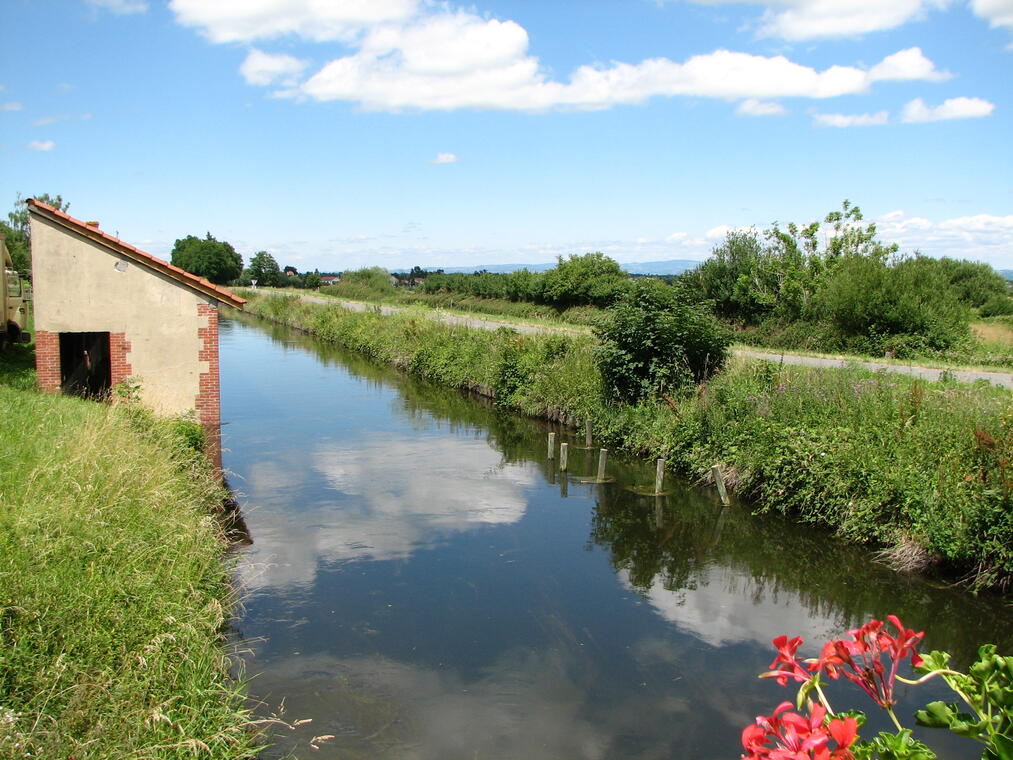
x: 424, y: 583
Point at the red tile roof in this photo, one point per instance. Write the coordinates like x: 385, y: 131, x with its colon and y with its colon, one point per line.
x: 144, y: 258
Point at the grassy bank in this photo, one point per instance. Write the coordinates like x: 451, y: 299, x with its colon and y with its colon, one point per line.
x: 919, y: 469
x: 113, y: 594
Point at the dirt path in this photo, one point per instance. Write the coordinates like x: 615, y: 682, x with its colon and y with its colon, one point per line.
x: 1002, y: 379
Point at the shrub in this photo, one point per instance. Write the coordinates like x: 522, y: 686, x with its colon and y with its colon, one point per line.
x: 655, y: 340
x: 909, y: 302
x: 997, y: 306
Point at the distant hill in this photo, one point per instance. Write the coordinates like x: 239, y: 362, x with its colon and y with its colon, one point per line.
x: 1007, y: 273
x: 671, y: 266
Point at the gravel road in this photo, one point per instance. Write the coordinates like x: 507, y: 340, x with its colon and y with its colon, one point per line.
x: 1003, y: 379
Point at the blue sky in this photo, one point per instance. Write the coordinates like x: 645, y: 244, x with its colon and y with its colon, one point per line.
x: 345, y: 133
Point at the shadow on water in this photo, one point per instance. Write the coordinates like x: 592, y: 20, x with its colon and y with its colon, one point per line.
x: 427, y: 584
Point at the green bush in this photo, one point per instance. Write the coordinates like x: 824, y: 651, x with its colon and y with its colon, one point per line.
x: 997, y: 306
x: 654, y: 340
x: 906, y: 306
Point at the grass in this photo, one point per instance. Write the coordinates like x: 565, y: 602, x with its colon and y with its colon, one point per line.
x: 518, y: 311
x: 879, y: 458
x: 996, y: 333
x: 113, y: 593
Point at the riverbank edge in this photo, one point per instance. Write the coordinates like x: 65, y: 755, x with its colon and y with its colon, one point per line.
x: 919, y: 469
x: 116, y: 590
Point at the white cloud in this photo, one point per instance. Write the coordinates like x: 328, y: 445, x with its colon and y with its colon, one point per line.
x: 44, y: 145
x: 718, y: 233
x: 814, y: 19
x: 906, y: 66
x: 264, y: 69
x: 121, y: 6
x: 981, y: 237
x: 11, y: 107
x: 319, y: 20
x: 445, y: 158
x: 676, y: 237
x: 754, y: 107
x: 408, y: 55
x: 997, y: 12
x: 954, y: 108
x: 851, y: 120
x: 462, y: 61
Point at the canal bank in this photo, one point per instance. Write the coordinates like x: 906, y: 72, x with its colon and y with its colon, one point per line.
x: 113, y: 594
x: 917, y: 469
x: 425, y: 583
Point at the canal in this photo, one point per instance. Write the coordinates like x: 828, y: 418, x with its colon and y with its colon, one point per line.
x: 423, y: 583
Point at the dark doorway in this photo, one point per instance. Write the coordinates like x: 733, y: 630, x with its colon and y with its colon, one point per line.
x: 85, y: 369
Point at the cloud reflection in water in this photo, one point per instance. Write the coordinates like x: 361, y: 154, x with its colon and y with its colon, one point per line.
x: 381, y: 497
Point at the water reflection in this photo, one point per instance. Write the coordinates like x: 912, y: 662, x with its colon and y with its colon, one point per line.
x: 426, y: 584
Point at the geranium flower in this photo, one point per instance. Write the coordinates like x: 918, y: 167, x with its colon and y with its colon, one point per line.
x: 786, y: 735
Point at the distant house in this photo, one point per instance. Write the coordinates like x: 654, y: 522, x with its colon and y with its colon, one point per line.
x: 329, y: 279
x: 291, y: 271
x: 106, y: 311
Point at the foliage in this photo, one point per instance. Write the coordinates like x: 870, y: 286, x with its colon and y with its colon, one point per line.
x: 654, y: 341
x: 212, y: 259
x: 899, y: 306
x: 372, y: 278
x: 311, y: 280
x: 832, y: 286
x: 264, y: 269
x: 987, y: 689
x: 999, y: 305
x: 593, y: 279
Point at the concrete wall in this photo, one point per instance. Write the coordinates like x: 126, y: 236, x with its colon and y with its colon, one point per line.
x: 161, y: 327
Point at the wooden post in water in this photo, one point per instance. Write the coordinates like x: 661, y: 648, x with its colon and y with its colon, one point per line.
x: 719, y: 480
x: 552, y: 445
x: 564, y: 487
x: 564, y: 454
x: 587, y: 433
x: 602, y: 457
x: 659, y: 477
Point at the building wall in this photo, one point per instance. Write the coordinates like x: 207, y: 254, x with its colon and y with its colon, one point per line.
x: 161, y: 332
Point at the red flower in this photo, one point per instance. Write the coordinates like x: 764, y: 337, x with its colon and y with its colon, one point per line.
x: 859, y: 660
x: 785, y: 665
x: 786, y: 735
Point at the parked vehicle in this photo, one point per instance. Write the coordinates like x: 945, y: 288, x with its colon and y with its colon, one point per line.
x: 14, y: 299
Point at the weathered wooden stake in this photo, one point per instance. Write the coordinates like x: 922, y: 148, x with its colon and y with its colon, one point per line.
x: 564, y: 487
x: 552, y: 445
x: 719, y: 479
x: 602, y: 457
x: 564, y: 454
x: 659, y: 477
x: 587, y: 433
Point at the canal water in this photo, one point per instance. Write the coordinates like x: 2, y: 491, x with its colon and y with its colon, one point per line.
x: 423, y: 583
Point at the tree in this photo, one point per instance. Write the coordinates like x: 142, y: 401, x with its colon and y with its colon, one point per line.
x: 264, y: 269
x: 17, y: 231
x: 312, y: 280
x: 212, y: 259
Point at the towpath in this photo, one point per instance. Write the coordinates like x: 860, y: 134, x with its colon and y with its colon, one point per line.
x: 1003, y: 379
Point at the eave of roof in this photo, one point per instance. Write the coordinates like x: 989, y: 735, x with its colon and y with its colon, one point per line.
x: 136, y: 254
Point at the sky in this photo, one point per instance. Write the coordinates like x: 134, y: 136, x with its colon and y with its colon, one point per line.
x: 337, y: 134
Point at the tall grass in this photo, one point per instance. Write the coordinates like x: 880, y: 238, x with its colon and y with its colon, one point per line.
x: 113, y: 594
x: 925, y: 469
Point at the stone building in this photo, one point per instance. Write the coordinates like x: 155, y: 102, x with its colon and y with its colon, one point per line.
x: 106, y: 311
